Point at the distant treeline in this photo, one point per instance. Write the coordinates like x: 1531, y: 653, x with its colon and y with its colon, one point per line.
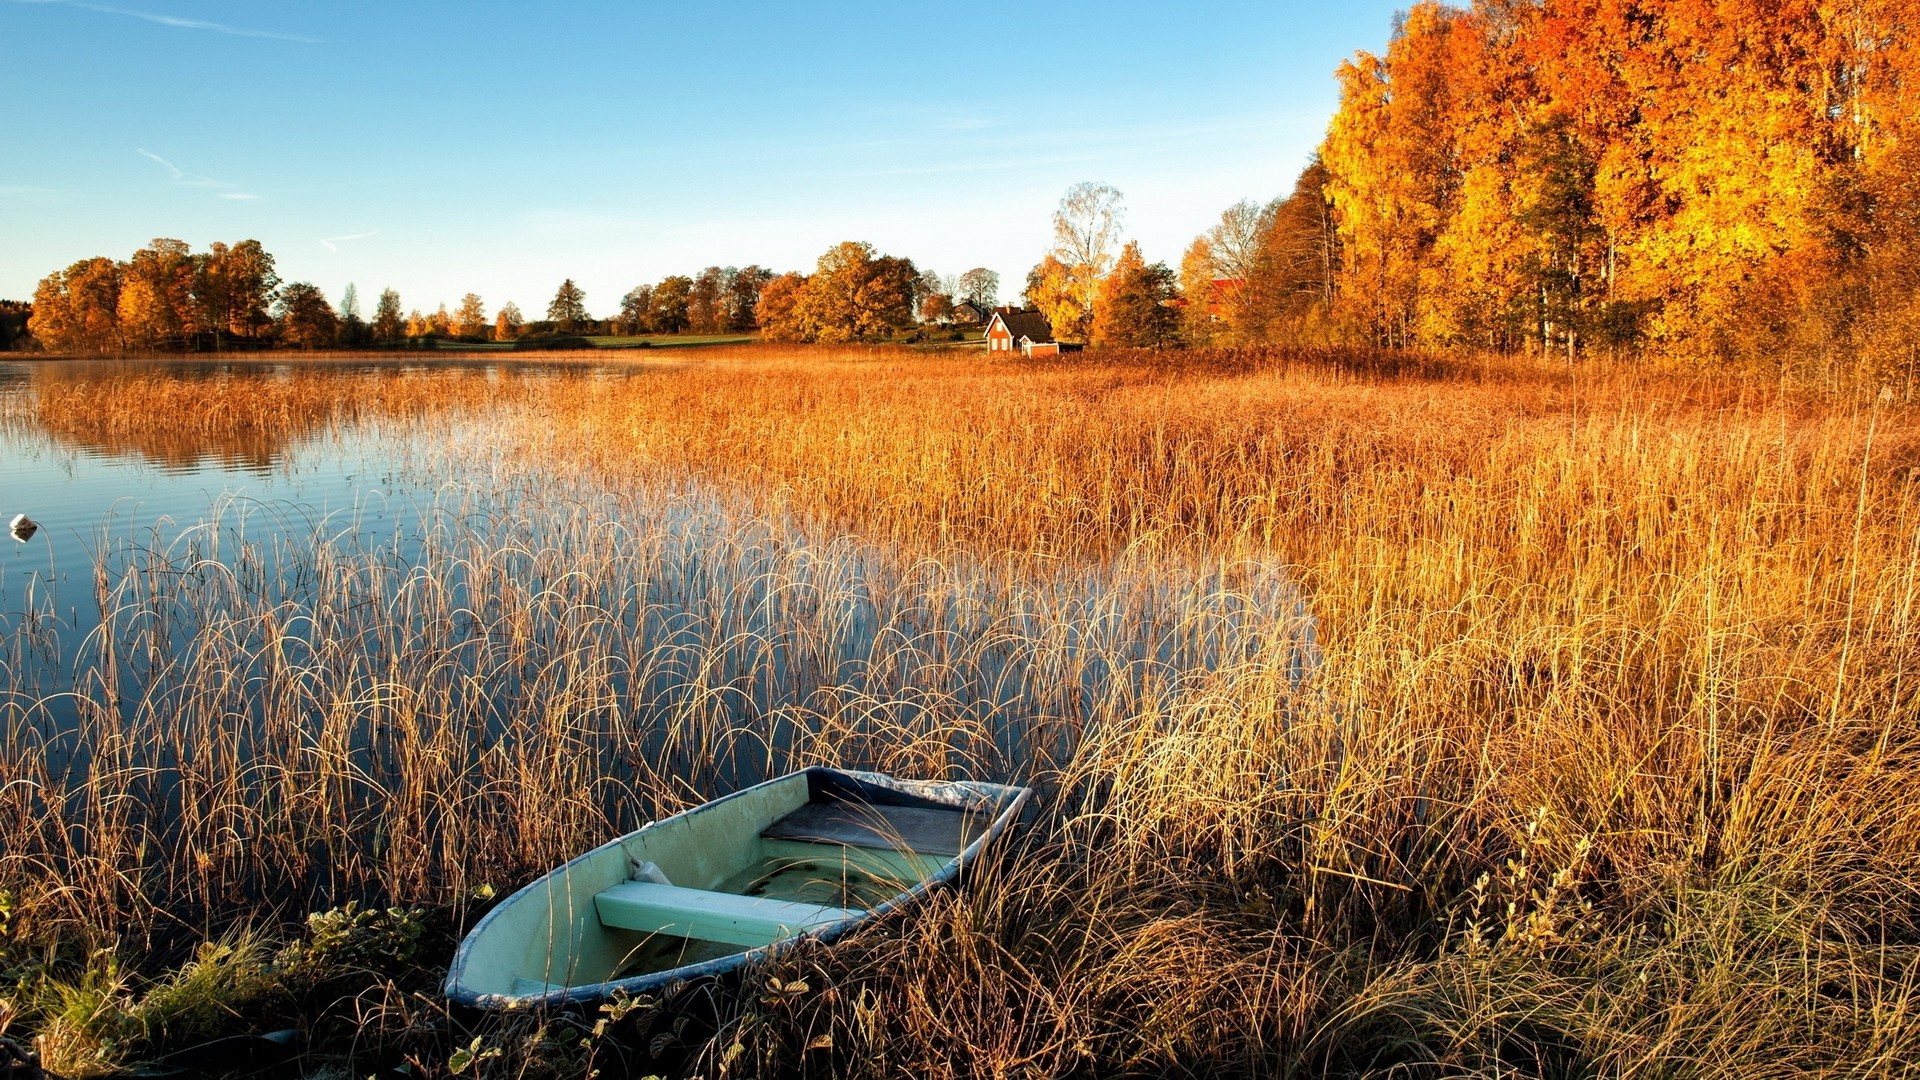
x: 1721, y: 182
x: 1716, y: 181
x: 169, y: 298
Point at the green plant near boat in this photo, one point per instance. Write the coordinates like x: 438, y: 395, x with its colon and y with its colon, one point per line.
x: 355, y: 937
x: 92, y: 1017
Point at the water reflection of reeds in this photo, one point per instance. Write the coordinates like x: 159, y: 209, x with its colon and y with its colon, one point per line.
x: 321, y: 713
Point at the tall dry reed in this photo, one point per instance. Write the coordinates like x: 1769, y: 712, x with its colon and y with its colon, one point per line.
x: 1604, y: 763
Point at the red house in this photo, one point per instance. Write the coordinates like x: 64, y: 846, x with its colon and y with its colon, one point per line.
x: 1025, y: 332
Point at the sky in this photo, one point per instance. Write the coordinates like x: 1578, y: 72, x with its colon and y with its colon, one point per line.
x: 498, y: 148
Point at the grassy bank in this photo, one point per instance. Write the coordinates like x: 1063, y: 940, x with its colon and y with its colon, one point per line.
x: 1608, y: 766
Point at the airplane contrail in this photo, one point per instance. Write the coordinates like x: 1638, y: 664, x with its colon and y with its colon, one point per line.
x: 330, y: 241
x: 151, y: 156
x: 180, y: 176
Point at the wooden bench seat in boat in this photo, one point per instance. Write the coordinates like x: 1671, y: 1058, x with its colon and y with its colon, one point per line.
x: 710, y: 916
x: 928, y: 831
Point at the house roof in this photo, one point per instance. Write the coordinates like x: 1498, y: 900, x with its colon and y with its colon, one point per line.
x: 1026, y: 324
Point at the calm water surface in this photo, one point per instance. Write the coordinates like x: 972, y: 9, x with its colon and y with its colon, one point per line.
x: 439, y: 657
x: 263, y: 503
x: 104, y: 504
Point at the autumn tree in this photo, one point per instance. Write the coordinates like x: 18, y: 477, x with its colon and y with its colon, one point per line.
x: 1235, y: 239
x: 1136, y: 306
x: 1288, y: 291
x: 1086, y: 226
x: 1201, y: 321
x: 891, y: 294
x: 163, y: 297
x: 509, y: 323
x: 14, y: 317
x: 1086, y: 229
x: 743, y: 297
x: 1391, y: 174
x: 636, y: 311
x: 1221, y: 277
x: 470, y: 318
x: 1711, y: 179
x: 306, y: 320
x: 157, y: 307
x: 568, y: 311
x: 671, y: 304
x: 78, y: 309
x: 706, y: 308
x: 388, y: 325
x: 1054, y: 290
x: 1558, y: 212
x: 854, y: 294
x: 143, y: 316
x: 778, y: 309
x: 928, y: 284
x: 237, y: 287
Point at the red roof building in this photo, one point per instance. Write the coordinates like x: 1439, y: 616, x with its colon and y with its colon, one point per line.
x: 1025, y: 332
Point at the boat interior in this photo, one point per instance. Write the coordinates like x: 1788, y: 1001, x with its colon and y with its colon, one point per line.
x: 740, y: 874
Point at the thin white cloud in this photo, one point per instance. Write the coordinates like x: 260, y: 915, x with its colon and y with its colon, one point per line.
x: 176, y: 21
x: 185, y: 179
x: 150, y: 155
x: 330, y: 241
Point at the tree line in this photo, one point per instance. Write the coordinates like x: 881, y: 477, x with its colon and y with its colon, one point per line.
x: 1723, y: 181
x: 1717, y: 180
x: 167, y: 297
x: 164, y: 297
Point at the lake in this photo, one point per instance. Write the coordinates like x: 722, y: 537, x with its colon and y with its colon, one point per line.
x: 290, y: 634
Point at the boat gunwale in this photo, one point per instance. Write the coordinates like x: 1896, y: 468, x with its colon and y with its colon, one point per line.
x: 1006, y: 801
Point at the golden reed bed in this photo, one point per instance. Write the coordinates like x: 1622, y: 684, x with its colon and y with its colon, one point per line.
x: 1608, y: 768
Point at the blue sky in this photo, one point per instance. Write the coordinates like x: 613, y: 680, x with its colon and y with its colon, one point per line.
x: 500, y: 147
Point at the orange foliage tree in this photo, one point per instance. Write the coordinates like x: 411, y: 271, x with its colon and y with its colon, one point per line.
x: 1720, y: 179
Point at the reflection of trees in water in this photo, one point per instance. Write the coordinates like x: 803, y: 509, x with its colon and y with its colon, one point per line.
x: 242, y: 415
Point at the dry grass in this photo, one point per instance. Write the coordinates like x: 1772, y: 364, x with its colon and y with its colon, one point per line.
x: 1609, y: 767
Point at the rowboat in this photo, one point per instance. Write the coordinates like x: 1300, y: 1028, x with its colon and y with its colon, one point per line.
x: 813, y: 854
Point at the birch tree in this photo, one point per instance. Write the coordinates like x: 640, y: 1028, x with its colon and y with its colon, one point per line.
x: 1086, y: 231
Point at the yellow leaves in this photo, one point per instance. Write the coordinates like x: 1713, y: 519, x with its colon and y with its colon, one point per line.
x: 470, y: 318
x: 853, y: 294
x: 1714, y: 139
x: 1057, y: 291
x: 142, y: 314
